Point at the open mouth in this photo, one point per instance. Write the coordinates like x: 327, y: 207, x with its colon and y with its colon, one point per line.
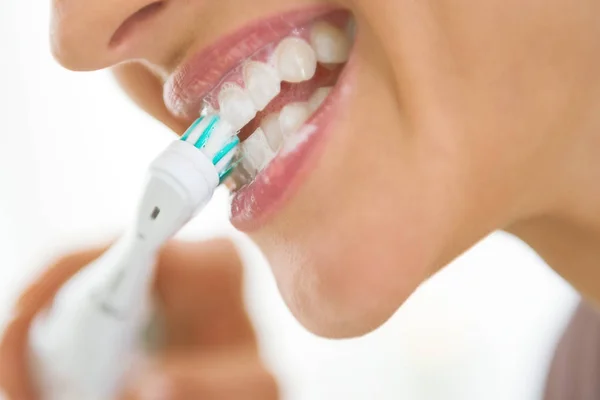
x: 274, y: 82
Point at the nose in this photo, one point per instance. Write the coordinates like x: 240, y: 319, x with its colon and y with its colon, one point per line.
x: 94, y: 34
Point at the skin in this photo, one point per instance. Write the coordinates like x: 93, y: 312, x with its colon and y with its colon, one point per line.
x: 487, y: 118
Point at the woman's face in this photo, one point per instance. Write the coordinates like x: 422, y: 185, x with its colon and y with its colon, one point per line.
x: 444, y: 124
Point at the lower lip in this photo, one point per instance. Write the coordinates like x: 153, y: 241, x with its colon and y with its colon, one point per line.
x: 253, y: 205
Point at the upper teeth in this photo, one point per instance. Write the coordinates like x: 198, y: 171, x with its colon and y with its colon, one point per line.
x: 236, y: 105
x: 262, y: 83
x: 331, y: 45
x: 296, y: 60
x: 351, y: 29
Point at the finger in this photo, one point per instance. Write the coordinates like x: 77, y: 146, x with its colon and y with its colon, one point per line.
x: 214, y: 376
x: 14, y: 375
x: 47, y: 285
x: 200, y: 290
x: 184, y: 288
x: 14, y: 371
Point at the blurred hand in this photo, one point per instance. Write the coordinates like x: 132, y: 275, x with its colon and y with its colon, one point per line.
x: 210, y: 349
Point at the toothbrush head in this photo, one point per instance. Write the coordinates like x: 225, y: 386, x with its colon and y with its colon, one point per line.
x: 183, y: 178
x: 217, y: 140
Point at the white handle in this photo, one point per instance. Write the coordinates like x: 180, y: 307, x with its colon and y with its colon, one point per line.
x: 83, y: 347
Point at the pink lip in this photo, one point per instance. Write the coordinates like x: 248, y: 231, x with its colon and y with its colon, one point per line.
x: 186, y: 88
x: 255, y: 203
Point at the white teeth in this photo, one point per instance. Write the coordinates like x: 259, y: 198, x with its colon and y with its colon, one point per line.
x: 318, y: 98
x: 296, y: 60
x: 257, y: 151
x: 351, y: 29
x: 262, y: 83
x: 292, y: 117
x: 331, y: 45
x: 272, y: 131
x: 236, y: 106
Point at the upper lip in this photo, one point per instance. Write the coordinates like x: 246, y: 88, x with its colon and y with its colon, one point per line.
x: 194, y: 78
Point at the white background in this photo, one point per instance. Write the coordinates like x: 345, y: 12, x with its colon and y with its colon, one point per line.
x: 72, y: 150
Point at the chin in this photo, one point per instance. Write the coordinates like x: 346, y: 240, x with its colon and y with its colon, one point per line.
x: 339, y: 291
x: 348, y: 274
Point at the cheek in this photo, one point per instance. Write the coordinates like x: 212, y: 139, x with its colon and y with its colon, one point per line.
x: 355, y: 242
x: 369, y: 225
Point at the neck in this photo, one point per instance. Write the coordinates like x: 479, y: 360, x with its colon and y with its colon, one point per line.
x: 565, y: 227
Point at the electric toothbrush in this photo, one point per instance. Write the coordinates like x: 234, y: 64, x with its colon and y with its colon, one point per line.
x: 83, y: 346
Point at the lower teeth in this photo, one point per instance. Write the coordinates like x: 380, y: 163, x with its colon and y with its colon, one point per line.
x: 292, y: 117
x: 256, y: 151
x: 275, y: 131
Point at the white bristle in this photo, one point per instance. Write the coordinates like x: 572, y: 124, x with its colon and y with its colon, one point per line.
x: 224, y: 163
x: 197, y: 130
x: 220, y: 135
x: 215, y: 138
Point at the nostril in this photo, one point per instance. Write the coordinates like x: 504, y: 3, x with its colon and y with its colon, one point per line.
x: 129, y: 25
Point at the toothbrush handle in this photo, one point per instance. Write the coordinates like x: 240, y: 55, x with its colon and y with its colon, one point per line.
x: 82, y: 348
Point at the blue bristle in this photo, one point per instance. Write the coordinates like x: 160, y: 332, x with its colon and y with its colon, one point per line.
x: 227, y: 171
x: 205, y: 137
x: 207, y: 132
x: 229, y: 146
x: 187, y: 133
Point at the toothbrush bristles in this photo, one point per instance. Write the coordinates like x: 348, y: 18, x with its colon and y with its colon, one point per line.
x: 230, y: 168
x: 217, y: 139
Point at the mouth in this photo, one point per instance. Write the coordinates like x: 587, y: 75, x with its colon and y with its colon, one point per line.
x: 280, y: 83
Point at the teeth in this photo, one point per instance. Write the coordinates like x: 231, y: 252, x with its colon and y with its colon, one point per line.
x: 257, y: 152
x: 296, y: 60
x: 262, y: 83
x: 331, y: 45
x: 247, y: 166
x: 292, y: 117
x: 318, y: 98
x: 351, y: 30
x: 236, y: 106
x: 272, y: 131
